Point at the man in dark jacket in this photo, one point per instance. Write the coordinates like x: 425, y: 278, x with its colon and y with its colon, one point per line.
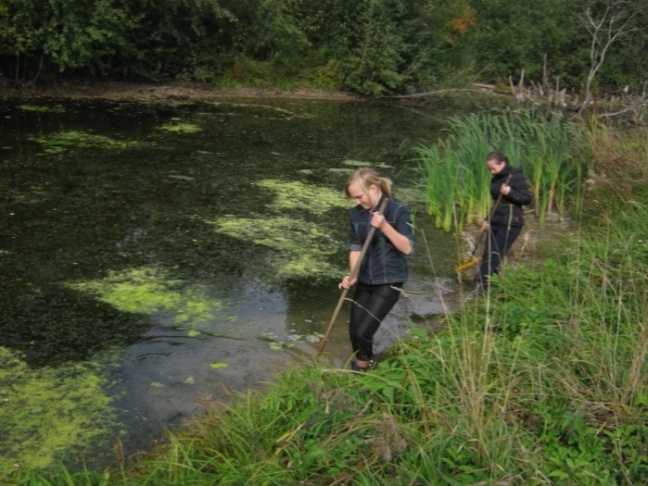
x: 510, y: 191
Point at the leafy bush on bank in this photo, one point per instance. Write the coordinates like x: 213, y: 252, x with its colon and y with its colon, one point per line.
x: 371, y: 47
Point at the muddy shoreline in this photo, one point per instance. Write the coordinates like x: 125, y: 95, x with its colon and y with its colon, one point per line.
x: 176, y: 92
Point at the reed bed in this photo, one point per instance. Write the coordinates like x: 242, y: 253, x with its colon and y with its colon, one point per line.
x: 548, y: 148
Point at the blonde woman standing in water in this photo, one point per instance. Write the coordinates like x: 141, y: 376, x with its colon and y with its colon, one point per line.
x: 383, y: 270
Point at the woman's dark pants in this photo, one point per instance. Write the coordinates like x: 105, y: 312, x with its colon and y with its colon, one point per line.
x: 371, y: 304
x: 500, y: 240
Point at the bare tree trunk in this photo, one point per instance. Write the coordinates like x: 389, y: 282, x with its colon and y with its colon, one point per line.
x: 518, y: 91
x: 612, y: 24
x: 40, y: 66
x: 17, y: 69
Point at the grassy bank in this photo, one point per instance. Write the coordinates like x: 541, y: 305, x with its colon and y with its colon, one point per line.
x: 542, y: 381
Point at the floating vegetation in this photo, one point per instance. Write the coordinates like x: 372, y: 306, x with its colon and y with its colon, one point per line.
x: 218, y: 365
x: 362, y: 163
x: 297, y: 195
x: 157, y: 384
x: 43, y: 109
x: 147, y: 290
x: 50, y: 413
x: 276, y: 109
x: 289, y: 341
x: 341, y: 170
x: 303, y: 247
x: 181, y: 128
x: 279, y: 346
x: 61, y: 141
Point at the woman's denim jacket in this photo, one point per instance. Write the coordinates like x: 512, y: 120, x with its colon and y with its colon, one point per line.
x: 383, y: 263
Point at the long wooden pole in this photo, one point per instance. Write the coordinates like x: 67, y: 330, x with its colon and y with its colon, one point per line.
x: 354, y: 273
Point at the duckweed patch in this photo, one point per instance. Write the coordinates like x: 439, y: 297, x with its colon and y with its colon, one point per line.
x: 303, y: 249
x: 363, y: 163
x: 289, y: 340
x: 73, y: 139
x: 43, y: 109
x: 148, y: 290
x: 50, y: 413
x: 181, y: 128
x: 284, y: 113
x: 218, y: 365
x: 297, y: 195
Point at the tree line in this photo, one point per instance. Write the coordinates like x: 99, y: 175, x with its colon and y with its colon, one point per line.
x: 371, y: 47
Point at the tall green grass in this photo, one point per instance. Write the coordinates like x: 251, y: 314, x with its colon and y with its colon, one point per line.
x: 548, y: 149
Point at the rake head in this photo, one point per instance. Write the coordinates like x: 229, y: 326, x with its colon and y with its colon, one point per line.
x: 467, y: 264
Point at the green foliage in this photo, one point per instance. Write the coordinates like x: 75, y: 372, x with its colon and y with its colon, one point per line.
x: 179, y: 37
x: 372, y: 47
x: 66, y: 34
x: 112, y: 36
x: 516, y: 37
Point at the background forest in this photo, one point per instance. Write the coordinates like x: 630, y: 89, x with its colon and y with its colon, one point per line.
x: 371, y: 47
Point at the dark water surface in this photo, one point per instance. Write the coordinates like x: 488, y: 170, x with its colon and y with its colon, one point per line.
x: 181, y: 250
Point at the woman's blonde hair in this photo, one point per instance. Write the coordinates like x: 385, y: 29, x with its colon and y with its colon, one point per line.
x: 367, y: 177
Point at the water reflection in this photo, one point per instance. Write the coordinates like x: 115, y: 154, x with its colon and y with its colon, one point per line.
x: 189, y: 261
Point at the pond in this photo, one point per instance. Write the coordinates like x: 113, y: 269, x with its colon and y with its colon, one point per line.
x: 155, y: 255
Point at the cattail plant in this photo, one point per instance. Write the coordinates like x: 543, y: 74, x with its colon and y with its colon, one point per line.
x: 543, y: 147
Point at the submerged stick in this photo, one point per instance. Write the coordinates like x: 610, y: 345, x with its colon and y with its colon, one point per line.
x: 354, y: 273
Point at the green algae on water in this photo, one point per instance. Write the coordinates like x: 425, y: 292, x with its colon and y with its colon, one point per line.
x: 148, y: 290
x: 362, y: 163
x: 43, y: 109
x: 50, y: 413
x: 297, y: 195
x: 181, y: 128
x: 217, y: 365
x: 303, y: 248
x: 61, y: 141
